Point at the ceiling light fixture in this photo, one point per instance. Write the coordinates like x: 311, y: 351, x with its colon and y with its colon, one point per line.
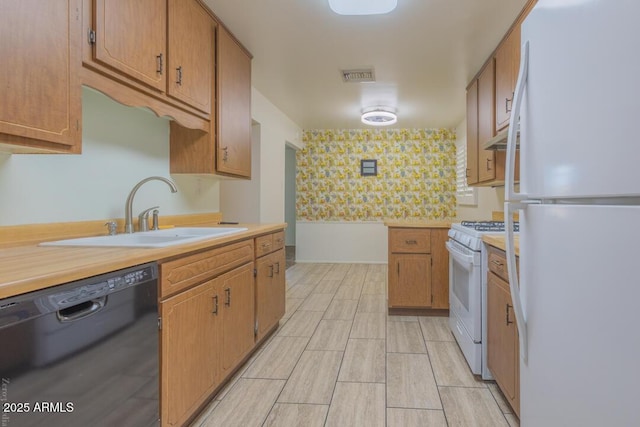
x: 362, y: 7
x: 379, y: 117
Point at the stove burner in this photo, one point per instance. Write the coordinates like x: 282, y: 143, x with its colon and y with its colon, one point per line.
x: 488, y: 225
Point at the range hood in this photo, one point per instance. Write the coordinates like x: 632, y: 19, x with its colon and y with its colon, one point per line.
x: 499, y: 142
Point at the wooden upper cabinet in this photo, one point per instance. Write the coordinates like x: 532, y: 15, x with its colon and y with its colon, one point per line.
x: 40, y: 90
x: 233, y: 145
x: 486, y: 122
x: 131, y: 38
x: 190, y: 54
x: 507, y: 59
x: 472, y: 133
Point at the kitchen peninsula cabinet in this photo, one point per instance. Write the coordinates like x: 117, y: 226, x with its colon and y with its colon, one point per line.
x: 418, y: 271
x: 40, y: 111
x: 503, y: 354
x: 270, y: 282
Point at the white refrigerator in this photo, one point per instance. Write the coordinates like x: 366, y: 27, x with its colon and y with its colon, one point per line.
x: 577, y: 301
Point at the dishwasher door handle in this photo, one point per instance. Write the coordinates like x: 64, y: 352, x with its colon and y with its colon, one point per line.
x: 82, y: 310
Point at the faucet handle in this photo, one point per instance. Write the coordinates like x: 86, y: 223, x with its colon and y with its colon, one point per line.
x: 112, y: 227
x: 143, y: 219
x: 155, y: 225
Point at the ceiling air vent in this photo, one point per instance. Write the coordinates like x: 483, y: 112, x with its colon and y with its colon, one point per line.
x: 358, y: 76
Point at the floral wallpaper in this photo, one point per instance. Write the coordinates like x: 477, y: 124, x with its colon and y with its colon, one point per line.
x: 416, y: 175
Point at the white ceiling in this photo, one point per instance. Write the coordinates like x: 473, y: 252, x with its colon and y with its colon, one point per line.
x: 424, y: 54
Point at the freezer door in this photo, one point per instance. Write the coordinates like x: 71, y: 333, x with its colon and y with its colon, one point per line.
x: 580, y: 109
x: 580, y: 288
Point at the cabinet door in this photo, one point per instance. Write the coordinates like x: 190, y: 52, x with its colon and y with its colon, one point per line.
x: 472, y: 133
x: 233, y: 107
x: 190, y: 351
x: 238, y: 305
x: 502, y: 357
x: 507, y: 59
x: 486, y: 123
x: 409, y: 280
x: 40, y: 92
x: 131, y: 38
x: 270, y: 291
x: 190, y: 61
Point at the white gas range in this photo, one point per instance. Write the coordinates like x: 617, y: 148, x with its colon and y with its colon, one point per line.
x: 468, y: 288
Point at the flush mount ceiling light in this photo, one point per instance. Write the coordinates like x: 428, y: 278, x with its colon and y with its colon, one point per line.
x: 379, y: 117
x: 362, y: 7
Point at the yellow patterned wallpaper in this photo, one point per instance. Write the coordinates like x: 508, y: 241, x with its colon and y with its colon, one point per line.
x: 416, y: 175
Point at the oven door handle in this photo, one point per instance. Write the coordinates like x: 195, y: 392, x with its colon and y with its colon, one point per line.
x: 464, y: 259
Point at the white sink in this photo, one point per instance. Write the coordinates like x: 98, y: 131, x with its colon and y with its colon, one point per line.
x: 150, y: 239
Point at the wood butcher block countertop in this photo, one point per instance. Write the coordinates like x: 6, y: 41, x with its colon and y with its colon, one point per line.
x: 417, y: 223
x: 30, y: 267
x: 498, y: 241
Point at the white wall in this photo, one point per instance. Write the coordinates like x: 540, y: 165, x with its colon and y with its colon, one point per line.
x: 276, y: 129
x: 488, y: 200
x: 121, y: 146
x: 351, y: 242
x: 240, y: 197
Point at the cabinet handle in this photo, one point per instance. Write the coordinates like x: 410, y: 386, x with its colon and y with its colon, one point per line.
x: 467, y: 172
x: 488, y: 164
x: 179, y: 75
x: 508, y: 321
x: 215, y: 305
x: 227, y: 292
x: 225, y: 155
x: 278, y: 269
x: 507, y: 107
x: 398, y: 268
x: 411, y: 242
x: 270, y: 271
x: 159, y: 63
x: 498, y: 263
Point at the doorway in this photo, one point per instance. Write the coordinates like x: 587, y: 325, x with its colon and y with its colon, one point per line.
x: 290, y: 203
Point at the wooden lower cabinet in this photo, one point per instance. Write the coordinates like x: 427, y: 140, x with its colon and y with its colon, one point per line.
x: 270, y: 291
x: 237, y: 302
x: 503, y: 355
x: 410, y: 280
x: 206, y: 332
x: 418, y: 272
x: 191, y: 329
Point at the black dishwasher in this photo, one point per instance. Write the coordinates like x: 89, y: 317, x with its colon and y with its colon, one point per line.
x: 82, y: 354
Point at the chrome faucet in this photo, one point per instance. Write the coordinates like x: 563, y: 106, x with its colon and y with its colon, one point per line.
x: 128, y: 209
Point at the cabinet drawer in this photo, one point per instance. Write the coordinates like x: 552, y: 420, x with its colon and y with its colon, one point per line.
x: 278, y: 240
x: 498, y: 263
x: 185, y: 272
x: 264, y: 245
x: 410, y: 240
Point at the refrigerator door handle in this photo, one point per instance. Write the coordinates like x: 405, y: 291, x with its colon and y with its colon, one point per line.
x: 514, y: 285
x: 510, y: 193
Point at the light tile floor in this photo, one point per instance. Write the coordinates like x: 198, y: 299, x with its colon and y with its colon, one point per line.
x: 338, y: 359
